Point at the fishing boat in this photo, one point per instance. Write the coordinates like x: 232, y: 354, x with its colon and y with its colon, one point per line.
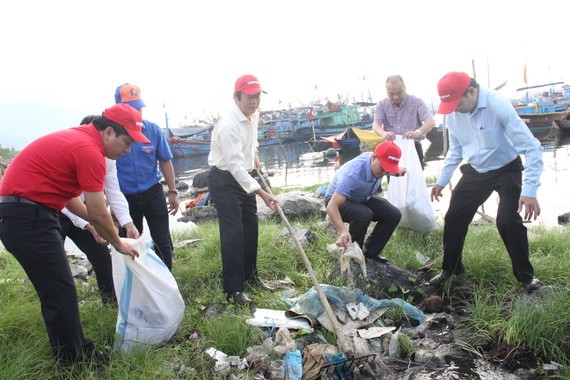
x: 191, y: 141
x: 562, y: 124
x: 310, y: 122
x: 543, y: 110
x: 195, y: 141
x: 354, y: 139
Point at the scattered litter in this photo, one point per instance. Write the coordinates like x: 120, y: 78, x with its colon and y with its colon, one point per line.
x: 375, y: 332
x: 185, y: 243
x: 352, y: 252
x: 283, y: 342
x: 293, y: 364
x: 422, y: 259
x: 394, y: 349
x: 277, y: 318
x: 359, y: 311
x: 225, y: 362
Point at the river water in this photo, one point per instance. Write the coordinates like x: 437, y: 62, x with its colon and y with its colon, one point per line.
x: 288, y: 170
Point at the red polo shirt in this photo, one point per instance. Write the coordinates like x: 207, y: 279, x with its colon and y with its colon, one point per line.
x: 57, y: 167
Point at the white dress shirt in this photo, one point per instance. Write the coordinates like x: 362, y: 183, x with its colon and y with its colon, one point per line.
x: 115, y: 197
x: 233, y: 147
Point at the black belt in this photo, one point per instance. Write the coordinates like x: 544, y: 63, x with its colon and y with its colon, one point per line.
x: 15, y: 199
x: 147, y: 191
x: 216, y: 169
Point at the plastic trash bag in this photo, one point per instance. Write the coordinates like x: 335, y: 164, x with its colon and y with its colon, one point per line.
x: 293, y: 364
x: 409, y: 192
x: 150, y: 305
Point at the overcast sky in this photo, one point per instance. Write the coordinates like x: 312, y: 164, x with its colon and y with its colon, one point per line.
x: 62, y: 60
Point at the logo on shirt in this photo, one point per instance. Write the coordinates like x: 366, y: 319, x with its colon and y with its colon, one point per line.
x: 147, y: 148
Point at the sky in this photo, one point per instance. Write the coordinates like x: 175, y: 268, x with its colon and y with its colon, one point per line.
x: 61, y: 60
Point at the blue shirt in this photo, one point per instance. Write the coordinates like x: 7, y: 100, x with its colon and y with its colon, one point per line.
x: 355, y: 180
x: 138, y: 170
x: 489, y: 138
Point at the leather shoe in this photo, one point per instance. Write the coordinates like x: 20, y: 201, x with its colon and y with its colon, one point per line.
x: 532, y: 285
x: 239, y: 298
x: 378, y: 259
x: 443, y: 275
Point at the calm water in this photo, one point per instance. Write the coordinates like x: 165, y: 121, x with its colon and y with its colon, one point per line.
x: 289, y: 171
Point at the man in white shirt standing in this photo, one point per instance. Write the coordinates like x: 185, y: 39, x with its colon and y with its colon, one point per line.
x: 233, y: 155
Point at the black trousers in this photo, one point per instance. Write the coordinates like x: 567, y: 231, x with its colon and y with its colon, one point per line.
x: 239, y: 228
x: 97, y: 254
x: 472, y: 190
x: 32, y: 234
x: 360, y: 215
x: 151, y: 204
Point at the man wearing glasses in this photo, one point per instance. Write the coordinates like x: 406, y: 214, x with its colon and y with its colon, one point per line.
x: 486, y: 132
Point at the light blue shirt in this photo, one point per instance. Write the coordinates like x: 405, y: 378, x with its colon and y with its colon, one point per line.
x: 490, y: 138
x: 354, y: 180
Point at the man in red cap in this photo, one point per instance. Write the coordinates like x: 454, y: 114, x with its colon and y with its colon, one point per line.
x: 233, y: 155
x: 350, y: 198
x: 46, y: 176
x: 486, y: 132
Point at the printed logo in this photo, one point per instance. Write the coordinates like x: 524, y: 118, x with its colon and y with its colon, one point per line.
x: 139, y: 124
x: 393, y: 158
x: 442, y: 97
x: 134, y: 92
x: 147, y: 148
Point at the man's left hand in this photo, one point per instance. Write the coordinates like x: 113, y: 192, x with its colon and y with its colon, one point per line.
x: 531, y: 207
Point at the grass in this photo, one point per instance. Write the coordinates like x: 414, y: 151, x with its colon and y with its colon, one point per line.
x: 500, y: 313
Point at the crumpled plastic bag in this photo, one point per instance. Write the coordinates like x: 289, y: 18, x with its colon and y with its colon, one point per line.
x: 352, y: 252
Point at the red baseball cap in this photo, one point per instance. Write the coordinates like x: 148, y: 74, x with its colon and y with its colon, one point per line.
x: 248, y: 84
x: 389, y: 155
x: 128, y: 118
x: 450, y: 89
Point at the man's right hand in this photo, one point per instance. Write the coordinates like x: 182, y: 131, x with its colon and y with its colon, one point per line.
x: 127, y: 249
x: 436, y: 192
x: 389, y: 136
x: 344, y: 239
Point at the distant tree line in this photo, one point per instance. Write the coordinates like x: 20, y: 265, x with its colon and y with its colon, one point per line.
x: 8, y: 154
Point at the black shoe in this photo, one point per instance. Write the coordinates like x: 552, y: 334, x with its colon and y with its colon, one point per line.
x: 240, y: 298
x: 532, y: 285
x: 443, y: 275
x: 255, y: 280
x: 378, y: 259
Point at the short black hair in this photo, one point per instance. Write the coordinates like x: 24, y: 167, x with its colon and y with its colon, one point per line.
x: 101, y: 122
x: 237, y: 94
x: 473, y: 83
x: 88, y: 119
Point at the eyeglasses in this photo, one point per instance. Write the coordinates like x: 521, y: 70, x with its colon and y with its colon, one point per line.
x: 252, y: 98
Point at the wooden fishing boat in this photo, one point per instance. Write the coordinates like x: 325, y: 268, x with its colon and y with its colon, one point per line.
x: 562, y: 124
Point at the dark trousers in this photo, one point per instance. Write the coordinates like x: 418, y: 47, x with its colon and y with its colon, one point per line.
x: 472, y: 191
x: 237, y: 218
x: 151, y: 204
x: 360, y: 215
x: 97, y: 254
x: 32, y: 234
